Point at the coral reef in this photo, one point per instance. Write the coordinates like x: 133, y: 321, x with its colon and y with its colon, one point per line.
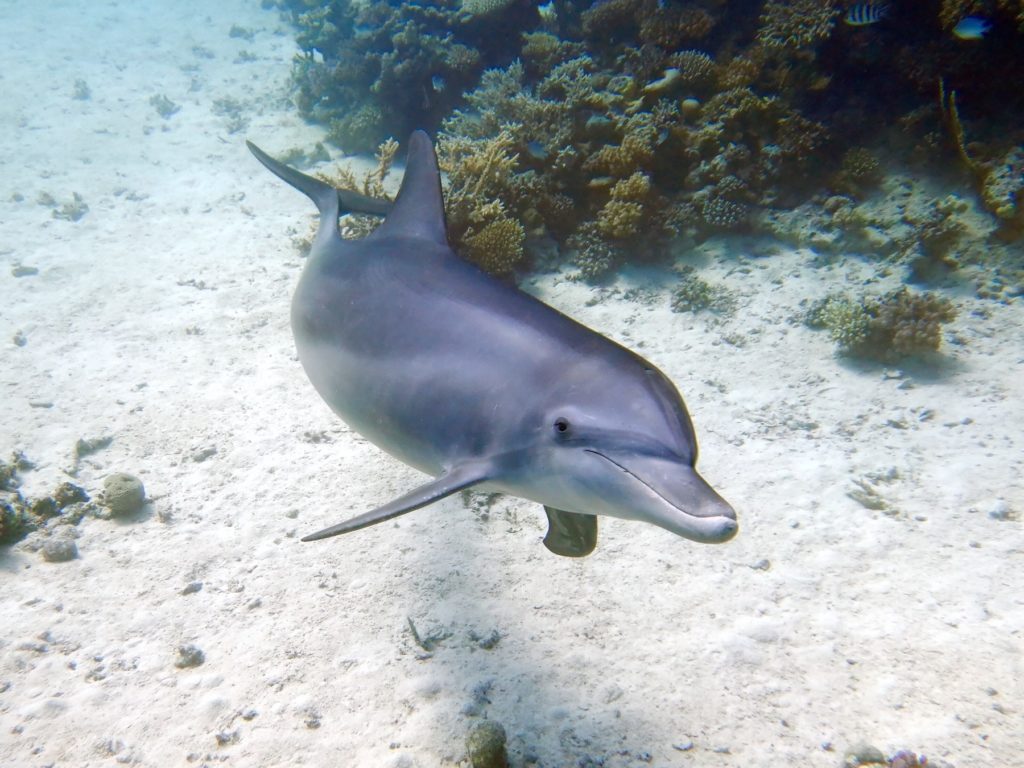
x: 895, y: 326
x: 374, y: 69
x: 480, y: 176
x: 372, y: 185
x: 1002, y: 190
x: 593, y: 256
x: 694, y: 294
x: 729, y: 116
x: 625, y: 213
x: 859, y: 172
x: 796, y: 23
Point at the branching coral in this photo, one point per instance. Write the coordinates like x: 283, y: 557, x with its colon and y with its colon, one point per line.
x: 482, y: 8
x: 905, y: 323
x: 695, y: 68
x: 374, y: 68
x: 548, y: 110
x: 623, y: 215
x: 858, y: 172
x: 542, y: 137
x: 796, y: 23
x: 592, y: 254
x: 1002, y: 189
x: 371, y: 185
x: 694, y: 294
x: 669, y: 26
x: 611, y: 18
x: 479, y: 174
x: 635, y: 151
x: 542, y: 51
x: 497, y: 247
x: 898, y: 325
x: 1000, y: 180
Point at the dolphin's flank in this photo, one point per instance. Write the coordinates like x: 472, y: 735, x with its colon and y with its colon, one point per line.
x: 480, y: 385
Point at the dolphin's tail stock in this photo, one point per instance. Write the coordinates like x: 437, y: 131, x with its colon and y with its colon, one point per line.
x: 329, y: 201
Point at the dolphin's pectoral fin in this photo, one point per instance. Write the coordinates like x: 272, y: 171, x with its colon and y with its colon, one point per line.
x: 447, y: 484
x: 570, y: 534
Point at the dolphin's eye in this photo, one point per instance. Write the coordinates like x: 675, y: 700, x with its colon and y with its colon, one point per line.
x: 561, y: 425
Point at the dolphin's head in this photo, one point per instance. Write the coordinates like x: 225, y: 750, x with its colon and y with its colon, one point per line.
x: 624, y: 446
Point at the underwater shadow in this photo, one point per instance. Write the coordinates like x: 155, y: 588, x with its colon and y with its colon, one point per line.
x: 10, y: 561
x: 492, y: 665
x: 926, y: 368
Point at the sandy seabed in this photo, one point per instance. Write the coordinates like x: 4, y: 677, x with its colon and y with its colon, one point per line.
x: 160, y: 318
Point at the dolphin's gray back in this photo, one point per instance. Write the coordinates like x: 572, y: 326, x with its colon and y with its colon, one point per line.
x: 430, y: 358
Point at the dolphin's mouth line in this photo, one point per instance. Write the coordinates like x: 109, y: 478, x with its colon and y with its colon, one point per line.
x: 643, y: 482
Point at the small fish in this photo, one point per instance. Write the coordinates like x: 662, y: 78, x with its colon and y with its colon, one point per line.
x: 972, y: 28
x: 536, y: 150
x: 437, y: 83
x: 863, y: 14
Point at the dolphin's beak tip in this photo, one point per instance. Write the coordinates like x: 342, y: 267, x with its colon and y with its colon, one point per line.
x: 729, y: 530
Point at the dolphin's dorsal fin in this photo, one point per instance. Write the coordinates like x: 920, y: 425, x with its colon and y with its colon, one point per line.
x: 419, y: 207
x: 454, y: 480
x: 570, y: 534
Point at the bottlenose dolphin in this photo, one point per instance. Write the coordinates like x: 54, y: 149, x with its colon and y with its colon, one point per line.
x: 481, y: 385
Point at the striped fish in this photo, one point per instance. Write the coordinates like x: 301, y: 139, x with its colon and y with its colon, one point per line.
x: 863, y: 14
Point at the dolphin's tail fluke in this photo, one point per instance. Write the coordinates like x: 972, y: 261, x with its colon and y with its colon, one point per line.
x: 329, y: 201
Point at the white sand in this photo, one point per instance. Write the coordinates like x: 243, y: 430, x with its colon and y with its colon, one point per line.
x: 904, y: 631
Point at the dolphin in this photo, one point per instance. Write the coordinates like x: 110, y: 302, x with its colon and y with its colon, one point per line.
x: 480, y: 385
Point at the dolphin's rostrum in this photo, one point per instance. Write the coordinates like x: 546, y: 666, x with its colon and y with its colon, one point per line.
x: 481, y: 385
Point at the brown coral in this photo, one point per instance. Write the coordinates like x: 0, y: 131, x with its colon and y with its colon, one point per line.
x: 951, y: 11
x: 372, y: 185
x: 480, y: 8
x: 860, y: 171
x: 635, y: 151
x: 623, y: 214
x: 542, y: 51
x: 796, y: 23
x: 695, y: 67
x: 1002, y: 190
x: 669, y: 26
x: 462, y: 59
x: 897, y: 325
x: 908, y: 324
x: 695, y: 23
x: 498, y: 247
x: 620, y: 219
x: 720, y: 213
x: 609, y: 17
x: 739, y: 73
